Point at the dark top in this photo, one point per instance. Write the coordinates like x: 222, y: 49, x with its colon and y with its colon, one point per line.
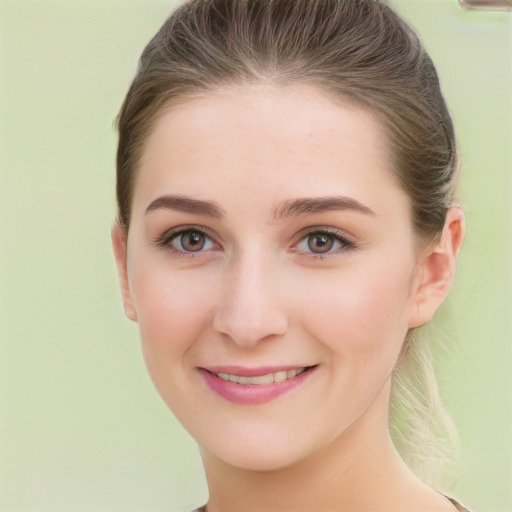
x: 458, y: 506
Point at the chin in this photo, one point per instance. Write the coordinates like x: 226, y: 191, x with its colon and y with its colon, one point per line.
x: 257, y: 459
x: 259, y: 452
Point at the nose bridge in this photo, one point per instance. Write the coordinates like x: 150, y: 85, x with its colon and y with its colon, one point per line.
x: 249, y: 309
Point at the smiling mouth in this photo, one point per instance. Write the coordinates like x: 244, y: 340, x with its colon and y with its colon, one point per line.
x: 262, y: 380
x: 253, y: 386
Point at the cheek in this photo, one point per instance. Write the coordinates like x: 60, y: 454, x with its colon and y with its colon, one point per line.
x: 361, y: 323
x: 172, y: 309
x: 361, y: 312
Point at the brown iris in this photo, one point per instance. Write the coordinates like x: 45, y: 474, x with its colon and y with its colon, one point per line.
x: 192, y: 241
x: 320, y: 243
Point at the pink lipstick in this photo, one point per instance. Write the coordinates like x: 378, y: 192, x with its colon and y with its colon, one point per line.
x: 252, y: 386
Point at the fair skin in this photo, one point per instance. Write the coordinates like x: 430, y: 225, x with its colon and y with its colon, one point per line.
x: 245, y: 273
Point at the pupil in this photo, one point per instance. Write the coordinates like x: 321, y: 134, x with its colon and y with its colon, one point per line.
x: 193, y: 241
x: 320, y: 243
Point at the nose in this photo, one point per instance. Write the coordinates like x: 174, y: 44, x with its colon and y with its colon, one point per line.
x: 249, y: 309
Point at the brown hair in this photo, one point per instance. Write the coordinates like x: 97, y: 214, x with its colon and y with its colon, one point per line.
x: 355, y: 49
x: 358, y: 49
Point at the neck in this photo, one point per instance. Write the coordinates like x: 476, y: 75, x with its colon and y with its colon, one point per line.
x: 359, y: 470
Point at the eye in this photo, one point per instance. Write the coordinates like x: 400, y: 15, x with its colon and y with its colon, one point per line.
x: 187, y: 241
x: 324, y: 242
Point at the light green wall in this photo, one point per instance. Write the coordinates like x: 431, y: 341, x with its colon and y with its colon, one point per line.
x: 81, y: 427
x: 473, y: 54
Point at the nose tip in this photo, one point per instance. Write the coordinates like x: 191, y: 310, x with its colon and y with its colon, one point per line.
x: 250, y: 311
x: 248, y: 328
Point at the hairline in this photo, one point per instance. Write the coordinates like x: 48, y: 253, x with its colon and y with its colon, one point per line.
x: 169, y: 101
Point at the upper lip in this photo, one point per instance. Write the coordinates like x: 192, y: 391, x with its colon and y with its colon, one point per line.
x: 242, y: 371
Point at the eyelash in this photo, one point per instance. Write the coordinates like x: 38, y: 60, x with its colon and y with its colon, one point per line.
x: 169, y: 236
x: 332, y: 234
x: 345, y: 242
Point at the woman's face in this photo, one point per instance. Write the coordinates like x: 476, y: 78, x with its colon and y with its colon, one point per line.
x: 267, y: 237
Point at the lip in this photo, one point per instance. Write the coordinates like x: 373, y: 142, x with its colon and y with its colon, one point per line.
x: 252, y: 394
x: 242, y: 371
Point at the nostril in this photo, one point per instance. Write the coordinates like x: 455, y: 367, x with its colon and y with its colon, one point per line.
x: 249, y: 329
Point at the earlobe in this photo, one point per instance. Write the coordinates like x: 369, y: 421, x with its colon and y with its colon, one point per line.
x: 436, y: 270
x: 119, y: 241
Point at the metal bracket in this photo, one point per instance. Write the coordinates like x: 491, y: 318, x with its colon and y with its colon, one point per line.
x: 486, y: 5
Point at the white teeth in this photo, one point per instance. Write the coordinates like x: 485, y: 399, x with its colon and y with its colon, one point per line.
x: 261, y: 380
x: 281, y: 376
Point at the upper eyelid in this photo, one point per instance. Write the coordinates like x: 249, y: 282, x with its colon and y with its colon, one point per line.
x: 330, y: 230
x: 171, y: 233
x: 184, y: 228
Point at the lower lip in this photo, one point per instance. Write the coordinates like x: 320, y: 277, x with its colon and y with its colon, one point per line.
x: 252, y: 394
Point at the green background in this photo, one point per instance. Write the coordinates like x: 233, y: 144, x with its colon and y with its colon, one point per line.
x: 81, y: 427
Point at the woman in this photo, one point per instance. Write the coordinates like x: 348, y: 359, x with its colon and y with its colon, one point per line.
x: 286, y: 175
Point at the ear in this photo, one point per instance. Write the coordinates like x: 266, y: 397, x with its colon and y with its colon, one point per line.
x: 119, y: 239
x: 436, y: 270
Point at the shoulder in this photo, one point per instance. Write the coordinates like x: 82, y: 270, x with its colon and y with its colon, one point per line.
x: 456, y: 504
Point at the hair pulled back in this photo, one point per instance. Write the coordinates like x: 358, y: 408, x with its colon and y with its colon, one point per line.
x: 354, y: 49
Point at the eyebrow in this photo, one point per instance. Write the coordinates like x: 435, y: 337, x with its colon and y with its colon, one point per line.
x: 291, y: 208
x: 186, y: 204
x: 300, y: 206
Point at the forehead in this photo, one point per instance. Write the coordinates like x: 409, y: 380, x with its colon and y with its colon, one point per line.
x: 293, y: 141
